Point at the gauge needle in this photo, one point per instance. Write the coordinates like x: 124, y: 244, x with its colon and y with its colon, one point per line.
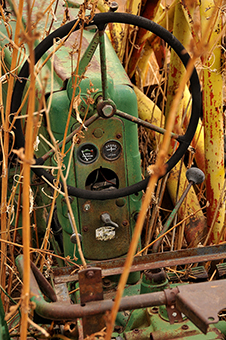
x: 84, y: 155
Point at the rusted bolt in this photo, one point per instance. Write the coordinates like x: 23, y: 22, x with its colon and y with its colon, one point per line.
x: 85, y: 229
x: 119, y: 135
x: 125, y: 223
x: 90, y: 274
x: 184, y: 327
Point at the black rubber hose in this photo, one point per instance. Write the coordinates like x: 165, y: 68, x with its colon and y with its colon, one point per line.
x: 100, y: 20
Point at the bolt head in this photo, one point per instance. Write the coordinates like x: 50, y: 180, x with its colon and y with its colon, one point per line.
x: 107, y: 110
x: 90, y: 274
x: 86, y: 207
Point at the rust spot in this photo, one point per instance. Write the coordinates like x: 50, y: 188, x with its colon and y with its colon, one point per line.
x: 174, y: 72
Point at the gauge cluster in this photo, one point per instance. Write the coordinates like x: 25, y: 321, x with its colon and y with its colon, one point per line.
x: 104, y: 162
x: 88, y: 153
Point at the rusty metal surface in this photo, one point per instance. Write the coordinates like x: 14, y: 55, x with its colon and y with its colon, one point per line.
x: 201, y: 302
x: 183, y: 331
x: 91, y: 289
x: 190, y: 300
x: 151, y: 261
x: 90, y: 283
x: 183, y: 334
x: 66, y: 311
x: 62, y: 293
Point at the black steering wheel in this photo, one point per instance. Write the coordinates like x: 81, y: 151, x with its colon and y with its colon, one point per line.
x: 101, y: 20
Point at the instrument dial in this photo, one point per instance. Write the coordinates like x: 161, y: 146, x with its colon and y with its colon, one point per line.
x: 87, y: 153
x: 111, y: 150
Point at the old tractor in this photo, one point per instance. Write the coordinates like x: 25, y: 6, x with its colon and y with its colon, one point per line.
x: 99, y: 193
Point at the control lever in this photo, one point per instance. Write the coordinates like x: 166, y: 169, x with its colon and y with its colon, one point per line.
x: 105, y: 217
x: 194, y: 176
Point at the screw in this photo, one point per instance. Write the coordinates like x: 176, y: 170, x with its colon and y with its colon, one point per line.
x: 119, y: 135
x: 86, y: 207
x: 85, y: 229
x: 125, y: 223
x: 90, y: 274
x: 174, y: 314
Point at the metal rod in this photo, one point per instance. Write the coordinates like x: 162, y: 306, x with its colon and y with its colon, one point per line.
x: 103, y: 64
x: 45, y: 286
x: 60, y: 311
x: 171, y: 217
x: 150, y: 261
x: 147, y: 124
x: 194, y: 176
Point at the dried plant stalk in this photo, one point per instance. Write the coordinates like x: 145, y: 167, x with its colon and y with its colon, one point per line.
x: 6, y: 149
x: 28, y: 151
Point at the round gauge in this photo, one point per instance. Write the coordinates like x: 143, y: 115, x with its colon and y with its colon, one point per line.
x: 111, y: 150
x: 87, y: 153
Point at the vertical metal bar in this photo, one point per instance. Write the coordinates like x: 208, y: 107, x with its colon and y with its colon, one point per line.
x: 91, y: 289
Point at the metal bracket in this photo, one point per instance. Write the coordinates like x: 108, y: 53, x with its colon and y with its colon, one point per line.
x: 173, y: 313
x: 91, y: 289
x: 201, y: 302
